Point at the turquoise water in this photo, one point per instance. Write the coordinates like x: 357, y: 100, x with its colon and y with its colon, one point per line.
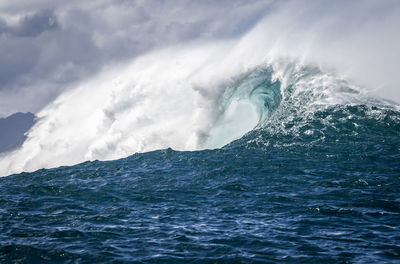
x: 311, y: 183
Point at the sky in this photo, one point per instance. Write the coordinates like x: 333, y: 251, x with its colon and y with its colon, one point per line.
x: 49, y: 46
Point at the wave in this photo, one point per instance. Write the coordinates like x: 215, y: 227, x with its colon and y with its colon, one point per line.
x: 141, y: 114
x: 197, y: 96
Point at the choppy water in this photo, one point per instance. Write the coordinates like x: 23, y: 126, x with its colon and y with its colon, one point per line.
x: 313, y: 183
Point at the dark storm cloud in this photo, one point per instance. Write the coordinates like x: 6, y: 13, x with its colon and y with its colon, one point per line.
x: 3, y: 26
x: 35, y: 24
x: 19, y: 53
x: 17, y: 58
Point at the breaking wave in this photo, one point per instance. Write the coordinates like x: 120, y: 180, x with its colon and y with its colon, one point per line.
x: 203, y: 96
x: 141, y: 113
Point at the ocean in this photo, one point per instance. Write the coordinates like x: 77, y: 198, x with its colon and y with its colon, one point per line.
x: 315, y: 178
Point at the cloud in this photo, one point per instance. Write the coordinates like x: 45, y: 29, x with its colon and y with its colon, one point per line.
x: 34, y: 25
x: 48, y: 46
